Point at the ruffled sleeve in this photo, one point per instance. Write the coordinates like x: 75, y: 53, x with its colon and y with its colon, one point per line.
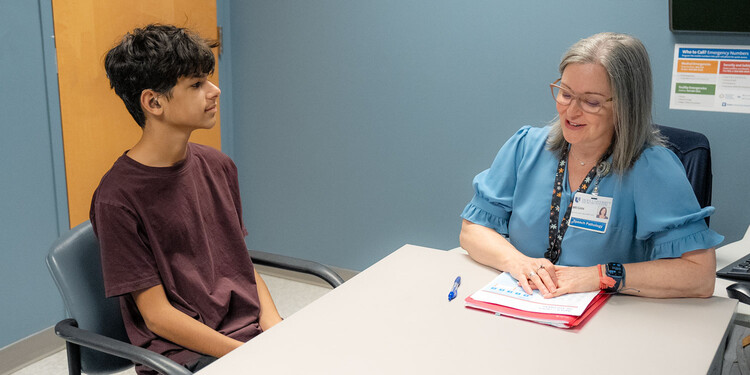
x: 668, y: 214
x: 493, y: 188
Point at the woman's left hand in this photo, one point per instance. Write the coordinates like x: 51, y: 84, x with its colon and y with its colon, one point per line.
x: 575, y: 280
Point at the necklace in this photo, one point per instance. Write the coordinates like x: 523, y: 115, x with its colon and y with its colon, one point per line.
x: 582, y: 162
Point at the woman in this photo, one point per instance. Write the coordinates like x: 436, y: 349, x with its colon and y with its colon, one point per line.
x: 601, y: 149
x: 602, y: 213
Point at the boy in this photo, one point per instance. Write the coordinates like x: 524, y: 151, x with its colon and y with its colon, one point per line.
x: 168, y: 214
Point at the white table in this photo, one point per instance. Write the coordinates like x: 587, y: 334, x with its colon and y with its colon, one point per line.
x: 394, y: 318
x: 724, y: 256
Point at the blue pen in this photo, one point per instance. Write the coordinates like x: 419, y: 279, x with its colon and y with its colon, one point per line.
x: 454, y: 292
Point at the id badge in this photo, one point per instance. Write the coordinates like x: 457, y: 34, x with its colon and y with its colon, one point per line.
x: 590, y: 212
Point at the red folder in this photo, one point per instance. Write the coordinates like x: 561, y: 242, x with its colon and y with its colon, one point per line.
x: 556, y: 320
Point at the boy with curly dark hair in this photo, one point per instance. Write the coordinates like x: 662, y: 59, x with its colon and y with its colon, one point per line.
x: 168, y: 213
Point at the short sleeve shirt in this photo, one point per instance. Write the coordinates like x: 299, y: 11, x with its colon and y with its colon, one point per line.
x: 181, y: 227
x: 654, y: 213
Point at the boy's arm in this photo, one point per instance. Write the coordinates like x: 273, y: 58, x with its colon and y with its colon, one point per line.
x: 174, y: 325
x: 269, y: 316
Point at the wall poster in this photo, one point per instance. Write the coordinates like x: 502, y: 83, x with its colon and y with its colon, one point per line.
x: 711, y: 78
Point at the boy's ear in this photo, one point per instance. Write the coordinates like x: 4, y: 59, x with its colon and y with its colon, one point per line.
x: 150, y: 102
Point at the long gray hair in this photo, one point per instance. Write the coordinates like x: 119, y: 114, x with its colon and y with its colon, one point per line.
x: 627, y: 64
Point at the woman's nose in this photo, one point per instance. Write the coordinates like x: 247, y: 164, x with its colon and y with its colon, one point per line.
x: 574, y: 108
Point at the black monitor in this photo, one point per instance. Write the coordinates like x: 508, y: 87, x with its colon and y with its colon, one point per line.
x: 729, y: 16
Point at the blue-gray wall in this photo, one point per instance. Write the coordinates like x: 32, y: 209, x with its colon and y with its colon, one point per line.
x: 360, y: 124
x: 28, y: 207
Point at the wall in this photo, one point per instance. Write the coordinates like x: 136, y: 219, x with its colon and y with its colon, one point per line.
x: 28, y: 207
x: 360, y: 124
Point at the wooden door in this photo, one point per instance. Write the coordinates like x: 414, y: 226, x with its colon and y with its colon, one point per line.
x: 96, y: 127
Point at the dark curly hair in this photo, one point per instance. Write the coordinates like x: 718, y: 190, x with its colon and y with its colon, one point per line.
x: 155, y: 57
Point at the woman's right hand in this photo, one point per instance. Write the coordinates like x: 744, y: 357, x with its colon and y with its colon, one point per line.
x: 533, y: 273
x: 488, y: 247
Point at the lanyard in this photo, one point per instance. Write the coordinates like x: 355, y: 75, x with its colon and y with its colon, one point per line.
x: 556, y: 234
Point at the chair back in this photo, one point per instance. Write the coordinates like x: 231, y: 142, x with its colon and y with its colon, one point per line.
x: 694, y: 152
x: 75, y: 264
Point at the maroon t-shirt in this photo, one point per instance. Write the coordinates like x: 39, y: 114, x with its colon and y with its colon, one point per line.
x: 179, y: 226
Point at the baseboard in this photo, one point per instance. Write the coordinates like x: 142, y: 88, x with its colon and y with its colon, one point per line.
x: 345, y: 274
x: 29, y: 350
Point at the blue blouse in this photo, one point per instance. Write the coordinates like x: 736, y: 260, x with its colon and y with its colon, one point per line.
x: 654, y: 211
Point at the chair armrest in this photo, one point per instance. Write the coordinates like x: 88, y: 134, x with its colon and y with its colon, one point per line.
x: 298, y: 265
x: 68, y: 330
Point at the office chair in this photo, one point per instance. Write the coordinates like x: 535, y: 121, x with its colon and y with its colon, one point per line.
x: 694, y: 152
x: 95, y: 336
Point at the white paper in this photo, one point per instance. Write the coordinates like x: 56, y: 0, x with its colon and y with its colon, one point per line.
x: 504, y: 290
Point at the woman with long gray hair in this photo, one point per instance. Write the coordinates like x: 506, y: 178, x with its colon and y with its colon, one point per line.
x: 535, y: 212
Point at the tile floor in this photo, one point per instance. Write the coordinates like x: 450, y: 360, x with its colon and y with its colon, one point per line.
x: 289, y: 296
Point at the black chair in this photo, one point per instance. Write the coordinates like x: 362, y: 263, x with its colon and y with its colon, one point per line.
x: 95, y: 336
x: 694, y: 152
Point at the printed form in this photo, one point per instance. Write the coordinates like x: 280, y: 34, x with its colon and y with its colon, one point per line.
x: 504, y: 290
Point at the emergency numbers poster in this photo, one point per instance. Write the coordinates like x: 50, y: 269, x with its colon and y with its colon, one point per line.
x: 711, y: 78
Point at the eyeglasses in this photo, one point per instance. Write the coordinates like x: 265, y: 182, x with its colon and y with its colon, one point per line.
x: 591, y: 103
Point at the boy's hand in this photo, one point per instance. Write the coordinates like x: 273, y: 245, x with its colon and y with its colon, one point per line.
x: 174, y: 325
